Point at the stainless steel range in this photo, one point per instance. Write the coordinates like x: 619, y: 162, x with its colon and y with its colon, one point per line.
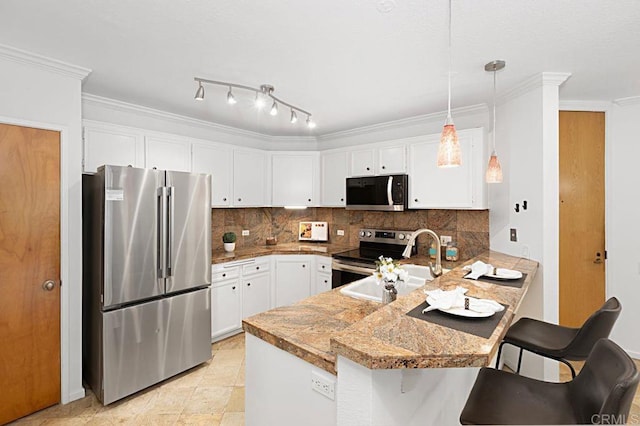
x: 352, y: 265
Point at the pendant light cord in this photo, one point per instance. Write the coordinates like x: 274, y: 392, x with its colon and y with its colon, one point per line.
x: 494, y: 111
x: 449, y: 73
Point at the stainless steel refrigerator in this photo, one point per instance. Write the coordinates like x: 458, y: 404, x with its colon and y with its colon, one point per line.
x: 146, y: 277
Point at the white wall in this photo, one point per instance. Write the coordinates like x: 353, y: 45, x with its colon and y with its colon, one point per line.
x: 623, y: 224
x: 44, y: 93
x: 527, y: 146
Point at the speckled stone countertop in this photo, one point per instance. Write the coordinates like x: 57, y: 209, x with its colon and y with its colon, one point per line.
x: 319, y: 328
x: 302, y: 247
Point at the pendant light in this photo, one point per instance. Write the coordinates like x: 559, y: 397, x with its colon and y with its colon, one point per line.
x: 494, y: 170
x: 449, y: 148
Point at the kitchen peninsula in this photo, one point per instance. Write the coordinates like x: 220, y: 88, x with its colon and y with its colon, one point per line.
x: 375, y: 364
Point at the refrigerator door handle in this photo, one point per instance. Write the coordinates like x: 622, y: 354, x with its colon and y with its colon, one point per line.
x: 171, y: 210
x: 162, y: 232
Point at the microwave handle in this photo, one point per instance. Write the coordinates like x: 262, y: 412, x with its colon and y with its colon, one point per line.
x: 389, y: 188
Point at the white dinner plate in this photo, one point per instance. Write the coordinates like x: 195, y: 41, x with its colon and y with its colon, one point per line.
x: 505, y: 274
x: 461, y: 312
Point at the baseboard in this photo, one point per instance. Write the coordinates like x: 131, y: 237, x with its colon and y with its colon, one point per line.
x: 75, y: 395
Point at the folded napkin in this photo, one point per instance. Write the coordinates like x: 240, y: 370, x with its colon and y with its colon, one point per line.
x: 439, y: 299
x: 478, y: 269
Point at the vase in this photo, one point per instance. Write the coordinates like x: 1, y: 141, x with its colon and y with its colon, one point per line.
x: 229, y: 247
x: 389, y: 292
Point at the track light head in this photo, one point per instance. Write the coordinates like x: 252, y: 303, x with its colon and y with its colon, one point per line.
x: 259, y: 101
x: 274, y: 108
x: 230, y: 98
x: 294, y: 117
x: 310, y: 123
x: 200, y: 92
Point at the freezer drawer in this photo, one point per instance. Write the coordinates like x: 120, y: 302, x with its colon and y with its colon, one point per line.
x: 147, y: 343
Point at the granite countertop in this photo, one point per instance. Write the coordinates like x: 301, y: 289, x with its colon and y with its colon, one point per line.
x: 301, y: 247
x: 319, y: 328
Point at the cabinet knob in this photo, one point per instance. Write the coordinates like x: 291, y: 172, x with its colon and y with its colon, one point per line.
x: 309, y: 200
x: 248, y: 284
x: 224, y: 275
x: 383, y: 167
x: 323, y: 266
x: 325, y: 281
x: 233, y: 288
x: 416, y: 200
x: 239, y: 199
x: 304, y: 266
x: 341, y: 199
x: 155, y: 168
x: 257, y: 268
x: 368, y: 168
x: 224, y: 199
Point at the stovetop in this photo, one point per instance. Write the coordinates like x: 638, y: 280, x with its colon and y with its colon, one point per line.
x: 375, y: 243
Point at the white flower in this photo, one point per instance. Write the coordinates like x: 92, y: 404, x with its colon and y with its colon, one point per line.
x: 389, y: 270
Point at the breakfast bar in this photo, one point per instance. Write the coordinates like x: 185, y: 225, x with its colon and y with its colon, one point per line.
x: 337, y: 360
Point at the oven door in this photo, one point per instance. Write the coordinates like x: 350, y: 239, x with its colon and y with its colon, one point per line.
x: 344, y: 273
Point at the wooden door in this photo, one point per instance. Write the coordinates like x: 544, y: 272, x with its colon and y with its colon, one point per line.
x: 29, y: 256
x: 582, y: 232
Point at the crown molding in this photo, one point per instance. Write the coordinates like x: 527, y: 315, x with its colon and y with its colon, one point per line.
x: 127, y: 107
x: 43, y: 62
x: 632, y: 100
x: 534, y: 82
x: 404, y: 122
x: 596, y: 106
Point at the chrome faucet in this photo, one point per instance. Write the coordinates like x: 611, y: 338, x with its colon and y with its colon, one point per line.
x: 436, y: 270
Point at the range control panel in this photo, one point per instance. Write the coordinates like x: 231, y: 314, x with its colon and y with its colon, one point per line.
x: 387, y: 236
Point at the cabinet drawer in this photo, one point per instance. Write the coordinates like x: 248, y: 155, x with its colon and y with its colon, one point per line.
x: 255, y: 268
x: 224, y: 274
x: 324, y: 264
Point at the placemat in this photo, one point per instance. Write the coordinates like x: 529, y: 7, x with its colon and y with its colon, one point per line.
x: 507, y: 283
x: 482, y: 327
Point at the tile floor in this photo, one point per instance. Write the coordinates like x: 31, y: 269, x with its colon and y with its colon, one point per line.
x: 211, y: 394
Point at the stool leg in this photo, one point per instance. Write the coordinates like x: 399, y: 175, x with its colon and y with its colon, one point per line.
x: 519, y: 361
x: 499, y: 352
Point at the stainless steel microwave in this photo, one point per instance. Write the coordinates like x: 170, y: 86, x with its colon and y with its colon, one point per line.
x: 384, y: 193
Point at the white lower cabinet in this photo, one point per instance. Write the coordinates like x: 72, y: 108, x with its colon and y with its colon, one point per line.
x: 226, y: 301
x: 293, y: 278
x: 239, y: 290
x: 323, y: 274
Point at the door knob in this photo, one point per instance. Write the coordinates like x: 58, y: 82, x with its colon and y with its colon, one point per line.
x: 49, y: 285
x: 598, y: 258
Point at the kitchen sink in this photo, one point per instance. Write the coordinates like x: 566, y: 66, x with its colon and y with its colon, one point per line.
x: 368, y: 289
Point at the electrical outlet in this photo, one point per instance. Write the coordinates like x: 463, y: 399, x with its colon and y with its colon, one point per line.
x: 340, y: 232
x: 245, y: 232
x: 323, y: 385
x: 444, y: 239
x: 513, y: 235
x: 525, y: 252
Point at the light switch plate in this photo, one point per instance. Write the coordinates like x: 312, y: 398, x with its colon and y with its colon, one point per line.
x: 245, y: 232
x: 444, y: 239
x: 340, y: 232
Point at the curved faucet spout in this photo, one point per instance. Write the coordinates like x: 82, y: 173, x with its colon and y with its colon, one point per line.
x: 436, y: 270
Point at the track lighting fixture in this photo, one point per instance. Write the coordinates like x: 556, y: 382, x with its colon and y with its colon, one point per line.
x: 262, y: 94
x: 200, y: 93
x: 230, y: 98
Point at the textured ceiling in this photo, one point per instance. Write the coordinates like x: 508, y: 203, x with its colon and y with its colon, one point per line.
x: 350, y: 63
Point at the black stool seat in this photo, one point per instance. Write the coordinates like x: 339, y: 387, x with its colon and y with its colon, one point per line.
x: 602, y: 392
x: 562, y: 343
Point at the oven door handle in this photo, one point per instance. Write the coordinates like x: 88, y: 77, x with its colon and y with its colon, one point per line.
x: 351, y: 268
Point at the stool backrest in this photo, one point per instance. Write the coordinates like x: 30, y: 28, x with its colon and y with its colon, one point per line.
x: 603, y: 391
x: 596, y: 327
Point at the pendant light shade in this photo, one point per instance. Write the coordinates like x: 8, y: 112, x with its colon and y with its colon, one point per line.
x: 449, y: 148
x: 494, y: 170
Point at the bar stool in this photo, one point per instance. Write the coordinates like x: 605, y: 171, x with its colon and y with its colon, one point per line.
x: 602, y: 392
x: 562, y: 343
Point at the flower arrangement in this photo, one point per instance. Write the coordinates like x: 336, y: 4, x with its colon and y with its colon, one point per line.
x: 389, y: 270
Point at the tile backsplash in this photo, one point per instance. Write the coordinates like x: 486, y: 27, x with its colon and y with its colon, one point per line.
x: 468, y: 228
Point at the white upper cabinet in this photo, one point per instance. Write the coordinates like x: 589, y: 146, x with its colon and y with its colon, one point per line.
x: 392, y: 160
x: 335, y: 169
x: 463, y: 187
x: 113, y: 145
x: 294, y: 179
x: 383, y: 160
x: 218, y: 162
x: 249, y: 178
x: 167, y: 154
